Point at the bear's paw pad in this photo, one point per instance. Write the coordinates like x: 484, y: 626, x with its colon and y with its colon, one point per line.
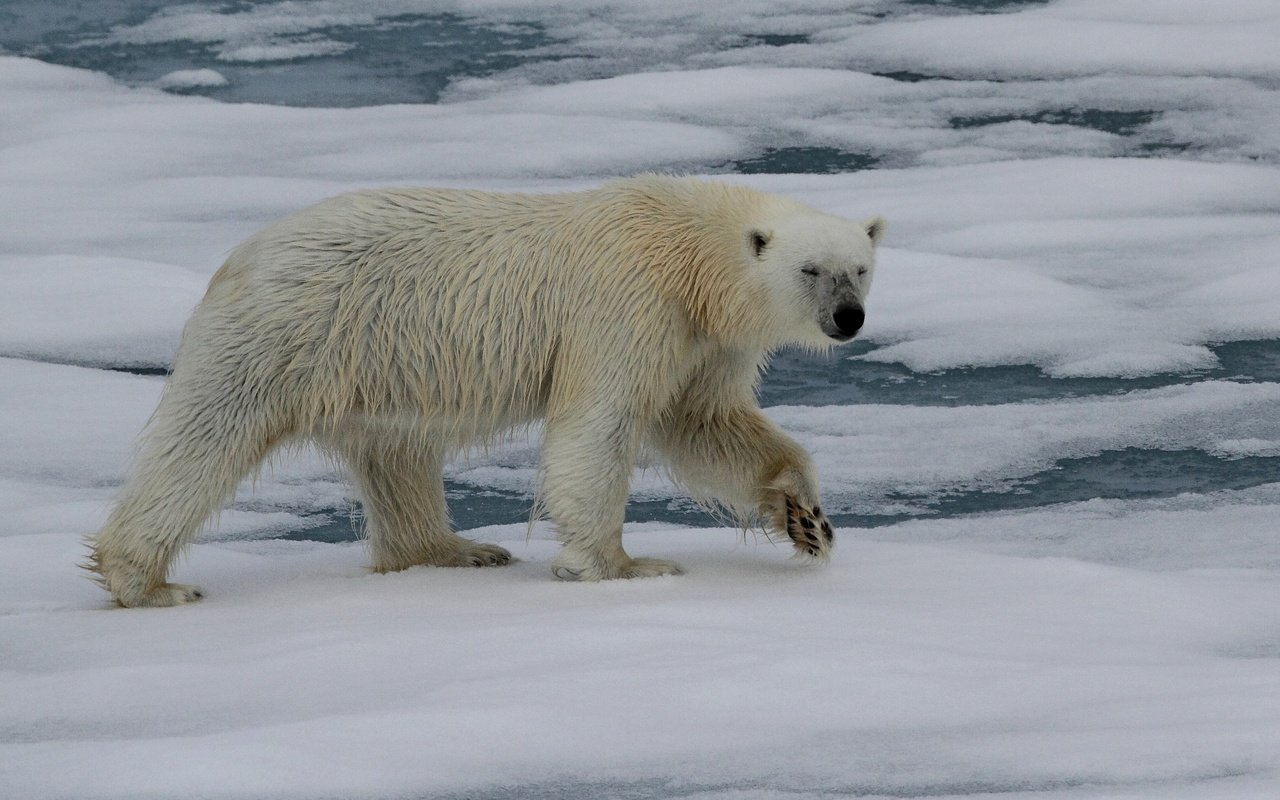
x: 809, y: 530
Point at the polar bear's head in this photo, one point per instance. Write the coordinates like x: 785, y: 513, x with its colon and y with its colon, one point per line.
x: 817, y: 270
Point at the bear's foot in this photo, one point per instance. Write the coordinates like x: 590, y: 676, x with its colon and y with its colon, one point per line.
x: 808, y: 530
x: 483, y: 555
x: 596, y: 570
x: 166, y: 594
x: 651, y: 568
x: 466, y: 553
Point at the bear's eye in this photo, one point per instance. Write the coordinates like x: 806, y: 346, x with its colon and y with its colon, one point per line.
x: 810, y: 271
x: 758, y: 242
x: 862, y: 271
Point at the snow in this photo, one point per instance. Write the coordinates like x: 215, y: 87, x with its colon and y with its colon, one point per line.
x: 1087, y: 37
x: 191, y: 79
x: 905, y: 659
x: 1106, y: 648
x: 125, y: 311
x: 901, y: 669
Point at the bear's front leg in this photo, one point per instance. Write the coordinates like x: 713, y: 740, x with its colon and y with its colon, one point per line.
x: 586, y: 470
x: 736, y: 455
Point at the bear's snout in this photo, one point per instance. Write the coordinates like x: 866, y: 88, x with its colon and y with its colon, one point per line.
x: 848, y: 321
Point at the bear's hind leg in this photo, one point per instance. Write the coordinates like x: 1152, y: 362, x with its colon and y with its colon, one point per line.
x: 198, y: 446
x: 402, y: 487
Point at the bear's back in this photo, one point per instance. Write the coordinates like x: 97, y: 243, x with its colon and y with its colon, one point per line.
x: 451, y: 304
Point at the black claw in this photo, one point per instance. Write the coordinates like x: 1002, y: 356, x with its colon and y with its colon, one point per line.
x: 816, y: 511
x: 806, y: 523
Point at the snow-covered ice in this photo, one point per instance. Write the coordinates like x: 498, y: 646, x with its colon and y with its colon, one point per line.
x: 191, y: 79
x: 903, y: 670
x: 1092, y: 196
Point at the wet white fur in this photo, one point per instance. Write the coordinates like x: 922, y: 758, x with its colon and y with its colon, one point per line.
x: 392, y: 327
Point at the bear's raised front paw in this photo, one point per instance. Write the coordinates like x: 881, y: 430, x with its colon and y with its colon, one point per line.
x: 809, y: 530
x: 166, y: 594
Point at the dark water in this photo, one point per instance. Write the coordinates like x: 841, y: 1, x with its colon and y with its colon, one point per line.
x: 803, y: 379
x: 812, y: 160
x: 403, y: 59
x: 1129, y: 473
x: 1124, y: 123
x: 413, y: 58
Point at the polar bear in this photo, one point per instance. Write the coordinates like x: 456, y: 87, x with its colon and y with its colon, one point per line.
x: 392, y: 327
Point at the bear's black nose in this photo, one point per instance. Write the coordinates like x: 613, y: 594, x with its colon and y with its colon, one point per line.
x: 848, y: 319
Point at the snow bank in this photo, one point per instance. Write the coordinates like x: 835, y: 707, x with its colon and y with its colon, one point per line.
x: 191, y: 79
x: 1085, y: 37
x: 95, y: 310
x: 905, y: 669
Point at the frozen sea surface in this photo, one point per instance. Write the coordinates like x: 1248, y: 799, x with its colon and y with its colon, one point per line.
x: 1054, y: 455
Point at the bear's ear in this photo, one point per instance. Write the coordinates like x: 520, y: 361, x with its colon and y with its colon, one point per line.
x: 875, y: 229
x: 759, y: 240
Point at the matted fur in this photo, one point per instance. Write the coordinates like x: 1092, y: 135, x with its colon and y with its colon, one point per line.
x: 393, y: 327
